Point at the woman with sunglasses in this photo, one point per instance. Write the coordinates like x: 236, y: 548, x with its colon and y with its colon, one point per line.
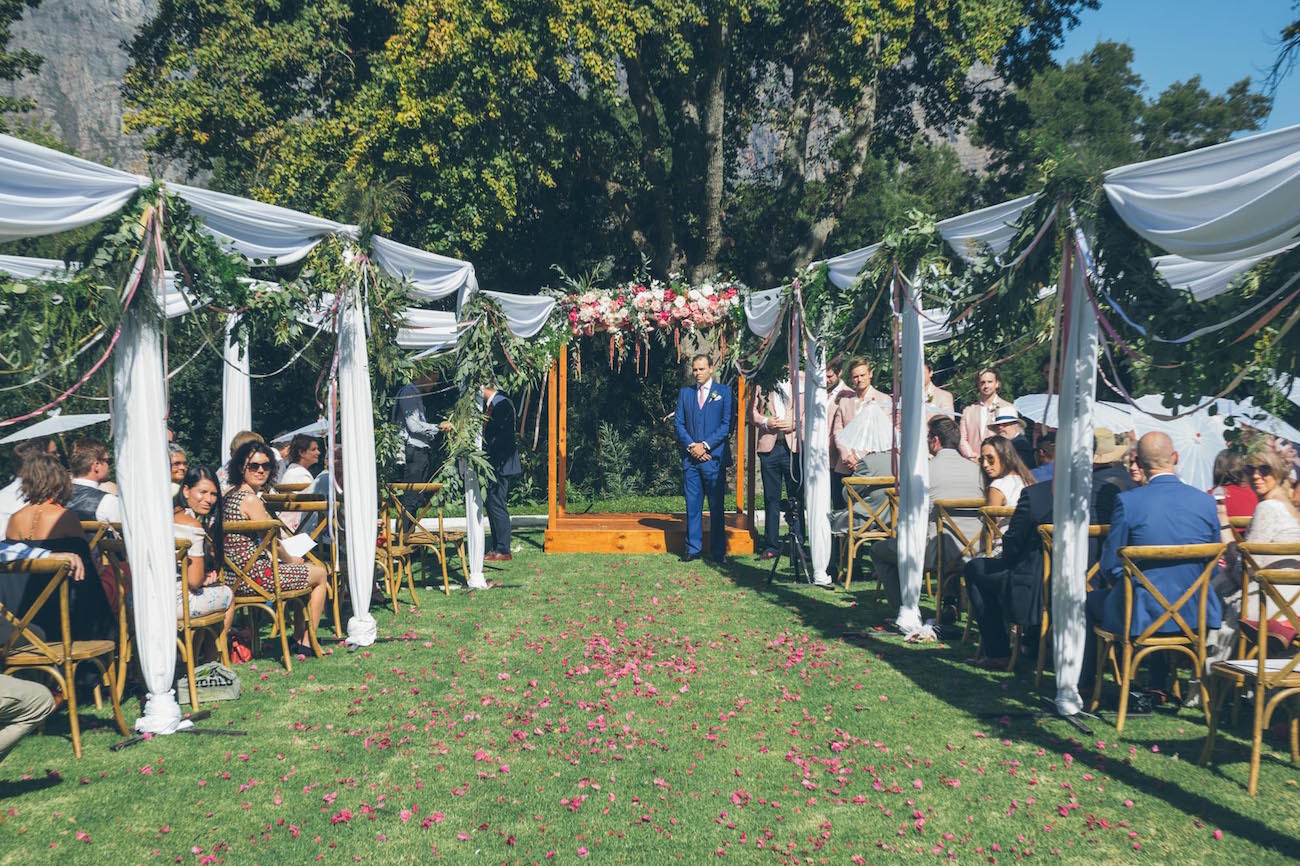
x: 251, y: 470
x: 195, y: 507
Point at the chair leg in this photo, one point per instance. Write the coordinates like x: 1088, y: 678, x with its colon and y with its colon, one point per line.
x: 410, y: 580
x: 1257, y: 738
x: 223, y: 645
x: 1126, y: 681
x: 1102, y: 648
x: 113, y: 694
x: 98, y: 693
x: 283, y: 625
x: 850, y: 553
x: 70, y: 692
x: 1044, y: 632
x: 442, y: 559
x: 313, y: 639
x: 1295, y: 736
x: 189, y: 670
x: 334, y: 603
x: 1220, y: 694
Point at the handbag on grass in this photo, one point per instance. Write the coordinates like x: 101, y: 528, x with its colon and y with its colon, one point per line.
x: 215, y: 683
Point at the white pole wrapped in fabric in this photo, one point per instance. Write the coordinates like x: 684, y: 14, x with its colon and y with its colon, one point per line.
x: 236, y: 393
x: 913, y: 467
x: 475, y: 539
x: 140, y: 446
x: 360, y: 505
x: 1072, y: 487
x: 817, y: 461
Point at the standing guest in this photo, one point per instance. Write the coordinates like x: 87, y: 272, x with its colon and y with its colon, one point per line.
x: 835, y: 384
x: 703, y: 425
x: 45, y: 521
x: 23, y: 705
x: 1045, y: 457
x: 11, y: 496
x: 236, y: 442
x: 254, y: 466
x: 876, y: 461
x: 778, y: 449
x: 179, y: 465
x: 90, y: 465
x: 977, y: 419
x: 836, y: 388
x: 843, y: 460
x: 951, y: 477
x: 501, y: 444
x: 417, y: 435
x: 1233, y: 477
x: 1164, y: 512
x: 1011, y: 426
x: 935, y: 396
x: 197, y: 509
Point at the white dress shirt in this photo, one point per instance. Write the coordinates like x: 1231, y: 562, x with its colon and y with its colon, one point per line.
x: 11, y: 499
x: 109, y: 509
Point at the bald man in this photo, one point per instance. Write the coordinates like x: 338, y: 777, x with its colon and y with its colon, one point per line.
x: 1163, y: 512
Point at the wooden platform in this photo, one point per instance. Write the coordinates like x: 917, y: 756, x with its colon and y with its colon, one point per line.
x: 638, y: 533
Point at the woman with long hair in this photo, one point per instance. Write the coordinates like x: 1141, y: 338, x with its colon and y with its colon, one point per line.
x: 197, y: 519
x: 1233, y: 477
x: 1003, y: 475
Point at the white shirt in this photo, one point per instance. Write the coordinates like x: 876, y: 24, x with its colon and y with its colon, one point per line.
x: 11, y: 499
x: 109, y: 509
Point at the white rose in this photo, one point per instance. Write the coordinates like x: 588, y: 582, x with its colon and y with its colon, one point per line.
x: 679, y: 302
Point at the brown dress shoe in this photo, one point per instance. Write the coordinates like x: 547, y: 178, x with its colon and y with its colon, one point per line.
x: 496, y: 557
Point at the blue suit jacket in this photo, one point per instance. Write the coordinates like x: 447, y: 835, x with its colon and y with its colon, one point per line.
x: 711, y: 425
x: 1165, y: 511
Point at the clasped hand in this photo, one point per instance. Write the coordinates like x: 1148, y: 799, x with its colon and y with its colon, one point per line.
x: 699, y: 452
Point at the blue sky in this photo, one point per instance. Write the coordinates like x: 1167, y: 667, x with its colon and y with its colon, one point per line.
x: 1175, y: 39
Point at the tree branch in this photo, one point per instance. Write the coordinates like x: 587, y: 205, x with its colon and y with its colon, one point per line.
x: 652, y: 164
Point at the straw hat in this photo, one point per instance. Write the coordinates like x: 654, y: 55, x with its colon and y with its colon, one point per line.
x: 1108, y: 447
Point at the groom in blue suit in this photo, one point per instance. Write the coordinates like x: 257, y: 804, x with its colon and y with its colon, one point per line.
x: 703, y: 422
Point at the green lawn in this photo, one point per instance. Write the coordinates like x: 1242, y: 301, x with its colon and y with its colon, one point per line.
x: 637, y: 710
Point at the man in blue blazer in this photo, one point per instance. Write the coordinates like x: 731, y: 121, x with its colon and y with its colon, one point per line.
x: 703, y: 422
x: 1162, y: 512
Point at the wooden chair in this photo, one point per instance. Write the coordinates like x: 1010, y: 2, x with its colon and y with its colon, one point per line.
x: 991, y: 517
x: 1189, y: 641
x: 295, y: 487
x: 187, y: 627
x: 96, y: 532
x: 946, y: 512
x: 410, y: 531
x: 26, y: 650
x: 879, y: 522
x: 1279, y: 599
x: 325, y: 553
x: 275, y: 601
x: 1239, y: 525
x: 1046, y: 533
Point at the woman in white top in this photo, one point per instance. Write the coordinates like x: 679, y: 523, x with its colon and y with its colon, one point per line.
x: 197, y: 507
x: 304, y: 453
x: 1004, y: 476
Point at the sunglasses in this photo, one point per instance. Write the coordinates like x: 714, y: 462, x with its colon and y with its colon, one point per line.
x: 1263, y: 470
x: 260, y: 466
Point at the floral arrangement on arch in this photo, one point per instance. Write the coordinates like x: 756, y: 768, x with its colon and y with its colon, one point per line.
x: 632, y: 312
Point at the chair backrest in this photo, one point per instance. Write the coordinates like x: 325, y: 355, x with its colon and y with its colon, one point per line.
x: 292, y: 487
x: 1047, y: 532
x: 881, y: 519
x: 1239, y: 525
x: 1279, y: 599
x: 265, y: 535
x: 23, y: 635
x: 993, y: 516
x: 400, y: 518
x: 1170, y: 609
x: 96, y: 532
x: 946, y: 514
x: 114, y: 553
x: 305, y: 503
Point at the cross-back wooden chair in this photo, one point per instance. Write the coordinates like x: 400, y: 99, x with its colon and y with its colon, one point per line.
x: 325, y: 553
x: 27, y: 650
x: 1188, y: 641
x: 1046, y: 532
x: 1278, y: 674
x: 292, y: 487
x: 1239, y: 525
x: 878, y: 522
x: 946, y: 513
x: 274, y: 602
x: 410, y: 531
x: 96, y: 532
x: 992, y: 517
x: 187, y: 627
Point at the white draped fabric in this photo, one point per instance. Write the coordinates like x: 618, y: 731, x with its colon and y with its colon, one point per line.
x: 431, y: 276
x: 427, y: 329
x: 236, y: 390
x: 44, y: 192
x: 763, y: 312
x: 26, y: 268
x: 1071, y: 493
x: 140, y: 443
x: 526, y: 315
x: 1202, y: 280
x: 1223, y: 203
x: 258, y: 231
x: 992, y: 226
x: 475, y: 538
x: 360, y: 501
x: 913, y: 471
x: 817, y: 461
x: 843, y: 270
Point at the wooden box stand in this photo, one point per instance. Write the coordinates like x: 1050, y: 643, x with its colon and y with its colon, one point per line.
x: 635, y: 533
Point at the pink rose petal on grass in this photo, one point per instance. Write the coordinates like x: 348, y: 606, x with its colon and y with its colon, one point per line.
x: 582, y: 851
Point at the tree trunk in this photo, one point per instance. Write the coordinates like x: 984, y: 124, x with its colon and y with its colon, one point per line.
x: 652, y: 164
x: 715, y: 104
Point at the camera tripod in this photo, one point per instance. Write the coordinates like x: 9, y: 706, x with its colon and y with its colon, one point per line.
x: 792, y: 547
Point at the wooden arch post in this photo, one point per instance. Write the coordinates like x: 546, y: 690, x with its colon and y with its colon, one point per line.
x: 633, y: 532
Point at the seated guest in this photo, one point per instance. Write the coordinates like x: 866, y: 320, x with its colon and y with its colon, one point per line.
x: 1010, y: 583
x: 977, y: 419
x: 197, y: 508
x: 1003, y: 475
x: 13, y: 588
x: 1163, y: 512
x: 47, y: 522
x: 254, y: 466
x: 303, y: 454
x: 23, y: 705
x: 90, y: 465
x: 1110, y: 477
x: 11, y: 496
x: 179, y: 465
x: 778, y: 447
x: 1045, y: 457
x: 1233, y: 477
x: 951, y: 477
x: 320, y: 486
x: 1011, y: 426
x: 236, y: 442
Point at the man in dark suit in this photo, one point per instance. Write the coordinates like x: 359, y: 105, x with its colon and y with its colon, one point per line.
x: 502, y: 448
x: 703, y: 424
x: 1163, y: 512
